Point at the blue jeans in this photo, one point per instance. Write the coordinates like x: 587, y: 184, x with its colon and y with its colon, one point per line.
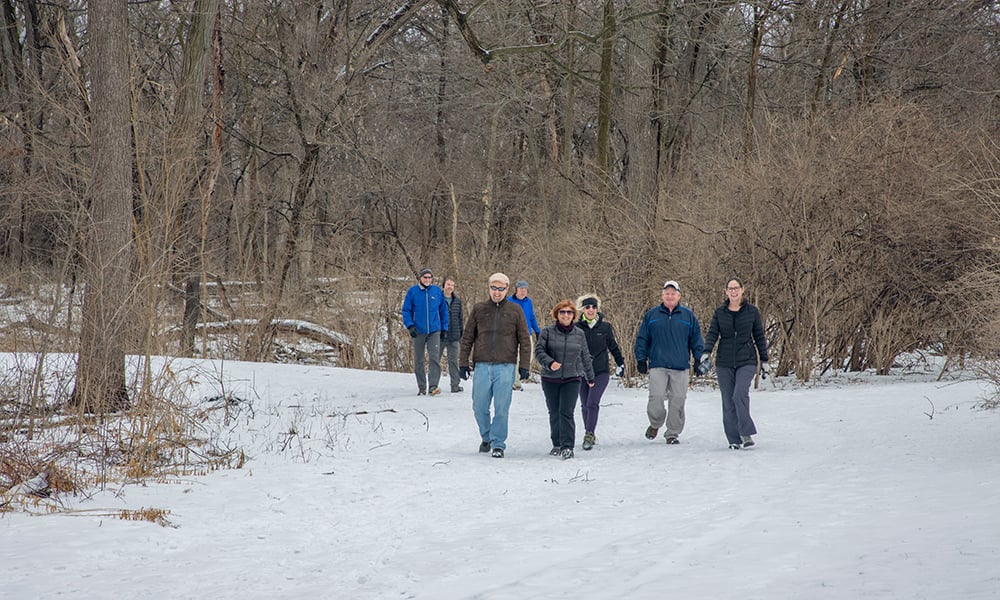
x: 492, y: 382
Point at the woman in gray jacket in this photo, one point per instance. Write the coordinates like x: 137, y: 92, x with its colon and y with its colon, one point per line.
x: 562, y: 351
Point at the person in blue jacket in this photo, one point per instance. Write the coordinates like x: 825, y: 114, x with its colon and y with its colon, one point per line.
x: 521, y: 298
x: 425, y: 316
x: 669, y: 336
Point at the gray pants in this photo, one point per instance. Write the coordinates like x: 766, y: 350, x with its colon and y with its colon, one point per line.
x: 430, y: 344
x: 670, y: 386
x: 452, y: 349
x: 735, y: 387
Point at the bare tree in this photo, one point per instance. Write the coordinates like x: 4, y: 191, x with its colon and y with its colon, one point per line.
x: 106, y: 320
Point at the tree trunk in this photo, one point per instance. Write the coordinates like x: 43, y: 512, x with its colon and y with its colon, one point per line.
x: 608, y: 38
x: 106, y: 318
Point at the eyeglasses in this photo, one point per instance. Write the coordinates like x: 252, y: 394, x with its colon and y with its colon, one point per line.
x: 567, y: 312
x: 496, y: 288
x: 734, y: 289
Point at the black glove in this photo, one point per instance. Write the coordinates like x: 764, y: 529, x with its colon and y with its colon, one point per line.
x: 764, y: 369
x: 463, y: 372
x: 619, y: 370
x: 642, y: 366
x: 413, y: 330
x: 703, y: 366
x: 524, y: 374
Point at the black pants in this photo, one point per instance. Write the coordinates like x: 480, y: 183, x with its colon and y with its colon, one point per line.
x: 560, y: 398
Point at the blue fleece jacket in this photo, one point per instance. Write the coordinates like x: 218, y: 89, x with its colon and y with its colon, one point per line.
x: 425, y: 307
x: 529, y: 313
x: 669, y: 339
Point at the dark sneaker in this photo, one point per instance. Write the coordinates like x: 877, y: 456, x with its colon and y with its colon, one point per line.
x: 457, y: 388
x: 651, y: 432
x: 735, y: 446
x: 434, y: 391
x: 498, y: 453
x: 484, y: 447
x: 421, y: 392
x: 589, y: 440
x: 567, y: 453
x: 747, y: 441
x: 554, y: 451
x: 672, y: 440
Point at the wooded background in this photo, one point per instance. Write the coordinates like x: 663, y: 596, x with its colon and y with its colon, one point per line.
x: 304, y: 159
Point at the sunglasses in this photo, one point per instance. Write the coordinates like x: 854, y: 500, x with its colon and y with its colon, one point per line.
x: 567, y: 312
x: 496, y: 288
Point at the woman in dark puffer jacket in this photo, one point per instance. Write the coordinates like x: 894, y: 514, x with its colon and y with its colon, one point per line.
x: 739, y: 330
x: 562, y: 351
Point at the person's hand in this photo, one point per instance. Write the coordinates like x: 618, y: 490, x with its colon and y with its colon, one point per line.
x: 463, y: 372
x: 413, y: 330
x: 703, y: 366
x: 642, y: 366
x: 524, y: 374
x: 591, y: 383
x: 556, y: 365
x: 619, y: 370
x: 765, y: 368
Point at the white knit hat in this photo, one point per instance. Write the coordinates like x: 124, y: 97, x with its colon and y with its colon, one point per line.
x: 499, y: 277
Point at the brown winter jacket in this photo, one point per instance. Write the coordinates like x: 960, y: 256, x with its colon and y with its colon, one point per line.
x: 495, y: 332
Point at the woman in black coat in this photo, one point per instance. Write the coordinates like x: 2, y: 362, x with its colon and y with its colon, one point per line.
x: 600, y: 341
x: 739, y: 330
x: 562, y: 351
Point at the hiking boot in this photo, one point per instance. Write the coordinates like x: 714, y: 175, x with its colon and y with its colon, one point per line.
x: 589, y: 440
x: 747, y: 441
x: 457, y: 388
x: 554, y: 451
x: 651, y: 432
x: 671, y: 439
x: 421, y: 392
x: 434, y: 391
x: 484, y: 447
x: 567, y: 453
x: 735, y: 446
x: 498, y: 453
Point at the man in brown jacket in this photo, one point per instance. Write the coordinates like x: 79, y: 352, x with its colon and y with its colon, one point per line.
x: 495, y: 335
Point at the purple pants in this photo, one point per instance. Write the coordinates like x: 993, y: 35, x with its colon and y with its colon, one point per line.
x: 590, y: 400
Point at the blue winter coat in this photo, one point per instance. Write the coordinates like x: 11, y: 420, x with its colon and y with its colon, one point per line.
x: 669, y: 339
x: 529, y: 313
x: 425, y: 307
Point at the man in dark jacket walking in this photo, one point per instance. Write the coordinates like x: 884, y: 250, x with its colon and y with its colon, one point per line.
x: 668, y: 337
x: 453, y: 337
x: 495, y: 337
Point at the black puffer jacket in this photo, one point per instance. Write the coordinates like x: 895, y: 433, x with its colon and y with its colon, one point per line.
x: 740, y: 335
x: 455, y: 319
x: 600, y: 341
x: 569, y: 348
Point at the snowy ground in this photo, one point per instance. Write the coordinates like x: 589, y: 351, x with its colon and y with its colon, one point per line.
x: 853, y: 491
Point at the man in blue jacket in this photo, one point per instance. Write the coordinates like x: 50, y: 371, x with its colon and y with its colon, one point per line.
x: 520, y: 297
x: 669, y: 336
x: 425, y: 316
